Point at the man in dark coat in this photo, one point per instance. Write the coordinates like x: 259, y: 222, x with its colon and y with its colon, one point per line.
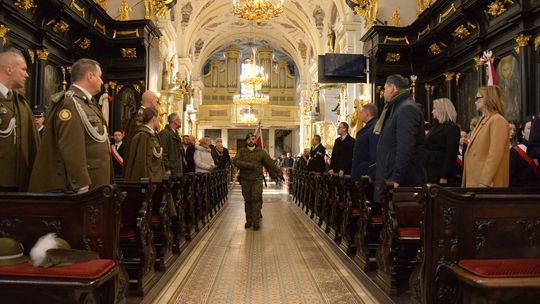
x: 19, y: 138
x: 316, y: 155
x: 173, y: 153
x: 189, y: 151
x: 39, y: 119
x: 342, y: 153
x: 523, y: 169
x: 365, y: 148
x: 117, y: 152
x: 401, y: 142
x: 75, y: 153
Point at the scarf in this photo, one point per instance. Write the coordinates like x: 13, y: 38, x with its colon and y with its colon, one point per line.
x: 388, y: 105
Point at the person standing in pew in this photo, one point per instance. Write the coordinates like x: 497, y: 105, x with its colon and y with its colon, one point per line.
x: 316, y: 162
x: 364, y: 160
x: 400, y: 151
x: 487, y: 157
x: 146, y: 156
x: 75, y: 152
x: 117, y: 152
x: 19, y: 138
x: 342, y: 153
x: 173, y: 154
x: 39, y: 119
x: 524, y: 170
x: 148, y: 99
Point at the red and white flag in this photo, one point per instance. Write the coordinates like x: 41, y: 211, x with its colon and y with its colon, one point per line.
x: 487, y: 57
x: 259, y: 138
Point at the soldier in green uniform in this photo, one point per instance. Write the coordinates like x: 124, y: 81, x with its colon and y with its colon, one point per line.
x: 251, y: 160
x: 19, y: 138
x: 145, y: 158
x: 75, y: 151
x: 173, y: 153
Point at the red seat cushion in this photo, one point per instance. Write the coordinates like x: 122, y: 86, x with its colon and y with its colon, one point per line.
x: 127, y: 233
x: 409, y: 232
x: 376, y: 219
x: 89, y: 270
x: 506, y: 268
x: 355, y: 211
x: 154, y: 219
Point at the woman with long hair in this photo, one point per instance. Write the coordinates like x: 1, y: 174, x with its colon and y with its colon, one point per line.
x: 487, y: 156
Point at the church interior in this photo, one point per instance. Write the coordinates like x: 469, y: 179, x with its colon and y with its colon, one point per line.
x: 285, y: 70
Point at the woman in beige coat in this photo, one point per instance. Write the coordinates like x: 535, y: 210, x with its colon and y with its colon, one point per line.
x: 486, y: 161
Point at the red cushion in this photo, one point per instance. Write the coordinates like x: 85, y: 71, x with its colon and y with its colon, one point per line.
x: 502, y: 268
x: 409, y: 232
x: 355, y: 211
x: 154, y: 219
x: 89, y: 270
x: 127, y: 233
x: 376, y: 219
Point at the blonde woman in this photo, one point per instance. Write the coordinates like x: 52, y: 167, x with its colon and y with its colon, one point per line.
x: 487, y: 157
x: 442, y: 143
x: 204, y: 162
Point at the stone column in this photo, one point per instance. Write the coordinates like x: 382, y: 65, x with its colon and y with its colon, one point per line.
x: 272, y: 142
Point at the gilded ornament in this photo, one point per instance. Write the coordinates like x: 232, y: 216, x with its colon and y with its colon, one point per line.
x: 32, y: 55
x: 536, y: 43
x: 3, y: 33
x: 516, y: 49
x: 83, y: 43
x: 60, y: 26
x: 25, y: 4
x: 112, y: 84
x: 102, y: 3
x: 422, y: 5
x: 368, y: 10
x: 458, y: 77
x: 123, y: 11
x: 77, y: 7
x: 393, y: 57
x: 396, y: 39
x: 427, y: 86
x: 478, y: 61
x: 435, y: 48
x: 522, y: 40
x: 100, y: 26
x: 257, y: 10
x: 137, y: 87
x: 395, y: 19
x: 129, y: 53
x: 451, y: 9
x: 43, y: 54
x: 134, y: 32
x: 68, y: 68
x: 497, y: 7
x: 449, y: 76
x: 425, y: 31
x: 119, y: 88
x: 461, y: 32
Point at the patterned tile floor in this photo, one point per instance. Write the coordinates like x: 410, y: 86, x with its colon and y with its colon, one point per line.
x: 283, y: 262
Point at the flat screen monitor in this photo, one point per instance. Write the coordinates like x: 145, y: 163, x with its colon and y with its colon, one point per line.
x: 335, y: 74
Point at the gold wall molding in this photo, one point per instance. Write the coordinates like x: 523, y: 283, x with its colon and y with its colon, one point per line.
x: 450, y: 10
x: 32, y: 55
x: 396, y: 39
x: 129, y: 53
x: 478, y: 61
x: 536, y: 43
x: 3, y: 33
x: 77, y: 7
x: 83, y: 43
x: 449, y: 76
x: 100, y: 27
x: 393, y: 57
x: 42, y: 54
x: 497, y: 7
x: 126, y: 33
x: 26, y: 5
x: 423, y: 32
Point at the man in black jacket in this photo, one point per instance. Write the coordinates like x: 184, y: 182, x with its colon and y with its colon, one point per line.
x: 401, y: 143
x: 316, y: 155
x: 189, y: 152
x: 365, y: 148
x: 342, y: 153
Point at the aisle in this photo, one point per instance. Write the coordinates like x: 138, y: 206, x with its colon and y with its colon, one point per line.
x: 283, y: 262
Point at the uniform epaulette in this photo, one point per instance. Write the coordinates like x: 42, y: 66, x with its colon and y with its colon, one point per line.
x: 57, y: 97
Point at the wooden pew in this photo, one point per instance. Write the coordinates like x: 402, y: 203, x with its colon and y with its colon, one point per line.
x: 136, y: 237
x: 400, y: 237
x: 89, y: 221
x: 178, y: 223
x: 160, y: 222
x: 467, y: 228
x: 189, y: 202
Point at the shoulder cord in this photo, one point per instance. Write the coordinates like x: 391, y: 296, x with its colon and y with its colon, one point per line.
x: 156, y: 153
x: 11, y: 129
x: 90, y: 130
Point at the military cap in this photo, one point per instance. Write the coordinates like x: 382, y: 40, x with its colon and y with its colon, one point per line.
x: 38, y: 110
x: 249, y: 135
x: 52, y: 251
x: 11, y: 252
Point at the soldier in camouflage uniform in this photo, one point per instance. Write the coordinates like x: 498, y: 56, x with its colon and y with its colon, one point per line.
x: 251, y: 160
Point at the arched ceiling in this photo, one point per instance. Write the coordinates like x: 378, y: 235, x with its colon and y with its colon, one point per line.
x: 204, y: 26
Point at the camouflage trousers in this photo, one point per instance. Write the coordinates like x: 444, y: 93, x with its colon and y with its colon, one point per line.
x: 252, y: 193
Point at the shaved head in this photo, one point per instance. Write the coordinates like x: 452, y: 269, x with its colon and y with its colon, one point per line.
x: 149, y: 99
x: 13, y: 70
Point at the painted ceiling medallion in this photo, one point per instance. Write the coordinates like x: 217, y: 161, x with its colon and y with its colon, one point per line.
x: 257, y: 10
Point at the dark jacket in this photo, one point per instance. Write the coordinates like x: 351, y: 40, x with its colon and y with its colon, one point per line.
x: 223, y: 159
x: 533, y: 148
x: 173, y: 154
x: 364, y: 160
x: 442, y: 148
x: 342, y: 155
x: 118, y: 164
x: 522, y: 173
x: 189, y: 161
x: 316, y: 159
x: 400, y: 150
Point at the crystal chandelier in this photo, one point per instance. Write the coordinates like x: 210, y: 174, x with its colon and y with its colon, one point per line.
x: 253, y: 74
x: 251, y: 98
x: 257, y: 10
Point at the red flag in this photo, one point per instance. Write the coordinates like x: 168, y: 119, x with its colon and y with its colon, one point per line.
x: 258, y: 135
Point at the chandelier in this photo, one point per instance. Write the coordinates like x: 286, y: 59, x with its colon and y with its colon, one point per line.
x: 252, y: 98
x: 249, y: 118
x: 257, y: 10
x: 253, y: 74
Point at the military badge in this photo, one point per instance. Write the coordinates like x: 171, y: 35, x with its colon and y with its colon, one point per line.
x: 64, y: 115
x: 3, y: 109
x: 69, y: 94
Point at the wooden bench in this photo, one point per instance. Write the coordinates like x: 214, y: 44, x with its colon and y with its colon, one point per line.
x: 479, y: 246
x: 400, y: 237
x: 136, y: 237
x: 89, y: 221
x: 160, y: 222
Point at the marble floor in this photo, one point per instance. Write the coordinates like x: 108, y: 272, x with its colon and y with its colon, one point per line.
x: 284, y: 262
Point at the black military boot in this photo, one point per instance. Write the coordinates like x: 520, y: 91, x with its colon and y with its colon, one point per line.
x: 247, y: 225
x: 256, y: 226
